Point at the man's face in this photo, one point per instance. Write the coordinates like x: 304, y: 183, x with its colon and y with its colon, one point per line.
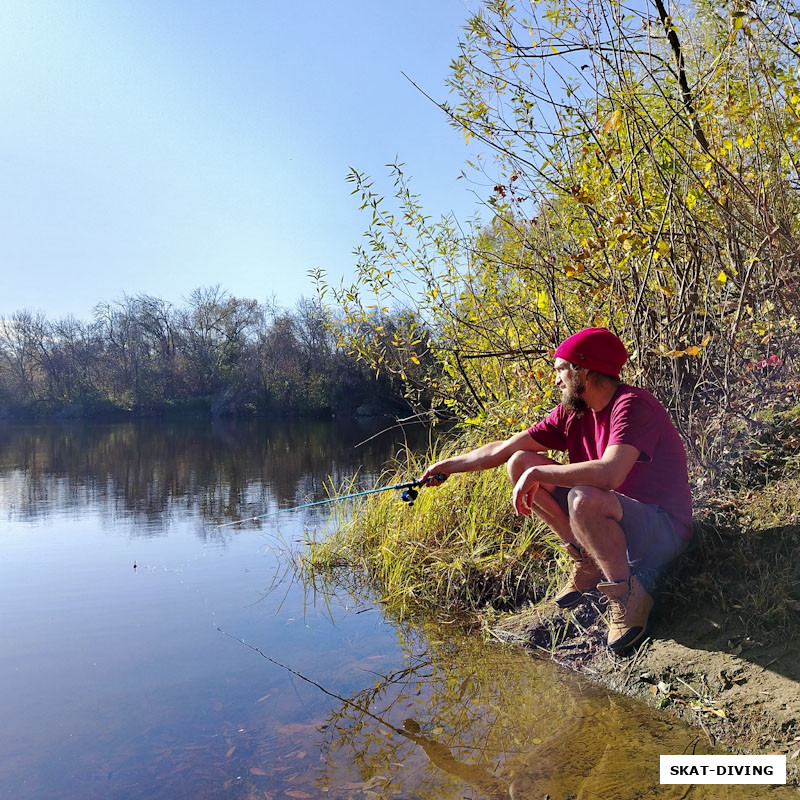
x: 572, y: 384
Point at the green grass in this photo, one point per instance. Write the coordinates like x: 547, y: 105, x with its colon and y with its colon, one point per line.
x: 462, y: 549
x: 459, y: 548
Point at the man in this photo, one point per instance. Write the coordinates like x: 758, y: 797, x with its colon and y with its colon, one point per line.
x: 622, y: 504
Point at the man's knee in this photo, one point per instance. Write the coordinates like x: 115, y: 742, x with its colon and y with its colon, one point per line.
x: 589, y: 501
x: 522, y: 460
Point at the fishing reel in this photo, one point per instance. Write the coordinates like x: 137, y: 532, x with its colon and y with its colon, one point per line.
x: 411, y: 492
x: 409, y: 495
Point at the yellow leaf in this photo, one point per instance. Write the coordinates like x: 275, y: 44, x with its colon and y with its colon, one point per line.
x: 675, y: 353
x: 543, y: 301
x: 693, y: 350
x: 414, y: 358
x: 662, y: 247
x: 706, y: 339
x: 722, y: 278
x: 614, y: 122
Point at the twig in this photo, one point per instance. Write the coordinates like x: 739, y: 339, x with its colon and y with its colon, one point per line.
x: 399, y: 423
x: 637, y: 657
x: 686, y: 94
x: 689, y: 687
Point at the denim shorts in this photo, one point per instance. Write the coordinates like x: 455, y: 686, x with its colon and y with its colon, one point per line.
x: 649, y: 532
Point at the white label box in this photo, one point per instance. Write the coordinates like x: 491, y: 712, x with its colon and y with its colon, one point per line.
x: 723, y: 769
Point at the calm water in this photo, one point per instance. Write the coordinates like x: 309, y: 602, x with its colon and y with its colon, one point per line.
x: 209, y: 670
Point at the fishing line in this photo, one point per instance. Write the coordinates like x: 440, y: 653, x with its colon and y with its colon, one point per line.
x: 438, y: 754
x: 362, y: 709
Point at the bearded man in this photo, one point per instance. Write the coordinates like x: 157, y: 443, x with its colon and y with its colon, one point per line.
x: 622, y: 504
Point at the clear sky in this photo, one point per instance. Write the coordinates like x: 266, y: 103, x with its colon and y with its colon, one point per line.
x: 160, y: 145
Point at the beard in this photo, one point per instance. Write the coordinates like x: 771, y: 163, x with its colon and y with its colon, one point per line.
x: 571, y: 399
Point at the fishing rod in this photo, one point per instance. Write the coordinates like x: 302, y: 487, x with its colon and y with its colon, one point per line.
x: 408, y: 494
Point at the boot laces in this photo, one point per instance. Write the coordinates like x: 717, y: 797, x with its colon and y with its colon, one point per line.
x: 616, y: 606
x: 617, y: 609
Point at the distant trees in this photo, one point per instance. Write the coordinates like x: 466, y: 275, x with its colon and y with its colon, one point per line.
x: 216, y: 354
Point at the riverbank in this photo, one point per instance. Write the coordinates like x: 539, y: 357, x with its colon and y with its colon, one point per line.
x: 724, y: 647
x: 740, y: 693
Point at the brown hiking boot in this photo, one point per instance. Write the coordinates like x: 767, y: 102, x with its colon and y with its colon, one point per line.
x: 584, y: 577
x: 629, y: 607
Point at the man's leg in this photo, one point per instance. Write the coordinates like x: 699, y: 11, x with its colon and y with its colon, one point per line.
x: 585, y: 574
x: 592, y: 525
x: 595, y: 516
x: 545, y: 506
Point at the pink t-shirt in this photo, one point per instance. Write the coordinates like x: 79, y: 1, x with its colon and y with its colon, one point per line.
x: 632, y: 416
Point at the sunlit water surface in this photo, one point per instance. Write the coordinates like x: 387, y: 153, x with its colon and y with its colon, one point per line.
x: 209, y: 670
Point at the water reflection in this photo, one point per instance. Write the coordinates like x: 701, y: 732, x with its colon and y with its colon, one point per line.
x: 463, y: 715
x: 157, y: 471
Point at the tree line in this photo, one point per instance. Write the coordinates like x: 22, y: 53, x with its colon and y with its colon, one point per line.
x: 215, y: 354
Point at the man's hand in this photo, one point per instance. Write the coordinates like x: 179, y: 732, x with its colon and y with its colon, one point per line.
x: 436, y: 474
x: 524, y: 491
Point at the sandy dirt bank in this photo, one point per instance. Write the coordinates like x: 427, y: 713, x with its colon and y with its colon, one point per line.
x: 741, y: 693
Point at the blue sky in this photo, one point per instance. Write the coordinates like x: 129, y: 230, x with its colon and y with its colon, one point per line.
x: 160, y: 145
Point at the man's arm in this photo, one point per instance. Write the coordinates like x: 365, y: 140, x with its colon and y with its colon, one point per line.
x: 487, y: 456
x: 608, y: 472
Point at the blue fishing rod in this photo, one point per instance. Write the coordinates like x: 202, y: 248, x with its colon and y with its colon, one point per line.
x: 408, y: 494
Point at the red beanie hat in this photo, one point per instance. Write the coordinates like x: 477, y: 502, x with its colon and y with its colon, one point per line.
x: 594, y: 348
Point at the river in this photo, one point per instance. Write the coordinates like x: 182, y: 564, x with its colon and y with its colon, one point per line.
x: 149, y: 653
